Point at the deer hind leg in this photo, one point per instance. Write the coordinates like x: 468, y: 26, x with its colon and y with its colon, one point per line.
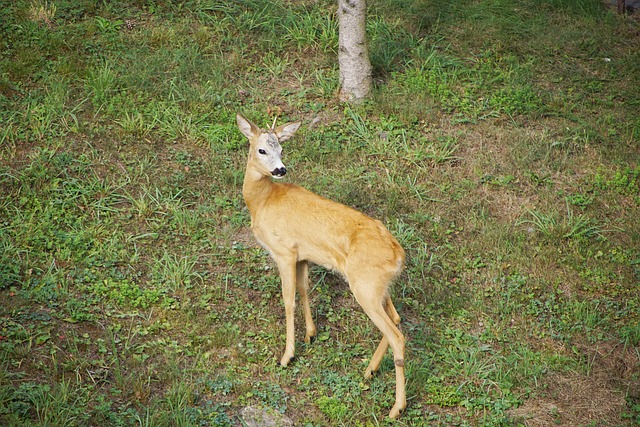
x: 376, y: 359
x: 372, y: 303
x: 287, y: 269
x: 302, y: 284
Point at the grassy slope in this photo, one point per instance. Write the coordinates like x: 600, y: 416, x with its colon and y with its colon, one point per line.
x: 500, y: 147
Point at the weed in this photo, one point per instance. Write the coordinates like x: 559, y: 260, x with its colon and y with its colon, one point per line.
x: 225, y: 335
x: 101, y: 84
x: 633, y: 411
x: 136, y: 124
x: 42, y: 12
x: 570, y: 227
x: 9, y: 261
x: 275, y: 65
x: 631, y: 335
x: 442, y: 395
x: 53, y: 405
x: 176, y: 272
x: 625, y: 182
x: 443, y: 151
x: 155, y: 203
x: 309, y: 28
x: 325, y: 82
x: 389, y: 44
x: 125, y: 293
x: 107, y: 26
x: 581, y: 226
x: 580, y: 199
x: 358, y: 128
x: 333, y: 408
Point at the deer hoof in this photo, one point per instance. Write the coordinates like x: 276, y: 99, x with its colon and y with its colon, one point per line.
x: 368, y: 374
x: 396, y: 411
x: 286, y: 360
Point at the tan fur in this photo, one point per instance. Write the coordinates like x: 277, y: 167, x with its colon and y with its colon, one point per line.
x: 297, y: 226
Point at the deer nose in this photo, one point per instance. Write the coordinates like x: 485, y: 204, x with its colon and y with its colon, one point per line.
x: 279, y: 172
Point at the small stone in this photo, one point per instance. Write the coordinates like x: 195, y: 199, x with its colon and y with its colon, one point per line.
x: 257, y: 417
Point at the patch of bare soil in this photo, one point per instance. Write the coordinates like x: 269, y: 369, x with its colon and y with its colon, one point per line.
x: 596, y: 399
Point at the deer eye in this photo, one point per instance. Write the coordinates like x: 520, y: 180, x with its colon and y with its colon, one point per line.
x: 262, y: 151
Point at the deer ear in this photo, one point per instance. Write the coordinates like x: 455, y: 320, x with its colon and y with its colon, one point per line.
x: 286, y: 131
x: 246, y: 126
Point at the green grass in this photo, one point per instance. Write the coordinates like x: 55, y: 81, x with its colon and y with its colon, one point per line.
x: 499, y: 146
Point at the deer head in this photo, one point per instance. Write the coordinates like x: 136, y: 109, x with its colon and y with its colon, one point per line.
x: 265, y: 152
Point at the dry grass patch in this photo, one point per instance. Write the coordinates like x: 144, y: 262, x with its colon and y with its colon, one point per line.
x: 42, y: 11
x: 594, y: 397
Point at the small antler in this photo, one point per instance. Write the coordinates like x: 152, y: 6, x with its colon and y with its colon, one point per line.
x: 273, y: 126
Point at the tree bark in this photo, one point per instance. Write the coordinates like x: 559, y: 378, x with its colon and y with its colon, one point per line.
x: 621, y: 6
x: 353, y: 56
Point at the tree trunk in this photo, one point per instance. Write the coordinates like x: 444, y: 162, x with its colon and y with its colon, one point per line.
x: 621, y: 6
x: 353, y: 57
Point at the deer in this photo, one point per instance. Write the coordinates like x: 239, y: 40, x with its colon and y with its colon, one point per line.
x: 297, y: 226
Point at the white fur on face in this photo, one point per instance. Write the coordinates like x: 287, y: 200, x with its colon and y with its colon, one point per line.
x: 268, y: 152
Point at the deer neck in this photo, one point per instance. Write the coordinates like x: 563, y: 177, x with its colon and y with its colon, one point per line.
x: 255, y: 188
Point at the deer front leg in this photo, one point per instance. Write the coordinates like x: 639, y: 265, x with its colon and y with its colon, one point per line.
x: 302, y: 284
x: 287, y: 270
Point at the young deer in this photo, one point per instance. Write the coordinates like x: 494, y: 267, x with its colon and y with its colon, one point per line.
x: 297, y: 226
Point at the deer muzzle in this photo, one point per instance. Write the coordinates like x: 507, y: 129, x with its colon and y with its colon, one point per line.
x: 279, y: 172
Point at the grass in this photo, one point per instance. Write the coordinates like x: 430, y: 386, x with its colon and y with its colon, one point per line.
x: 499, y: 146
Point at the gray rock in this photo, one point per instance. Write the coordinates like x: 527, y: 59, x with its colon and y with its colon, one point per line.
x: 257, y: 417
x: 629, y: 5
